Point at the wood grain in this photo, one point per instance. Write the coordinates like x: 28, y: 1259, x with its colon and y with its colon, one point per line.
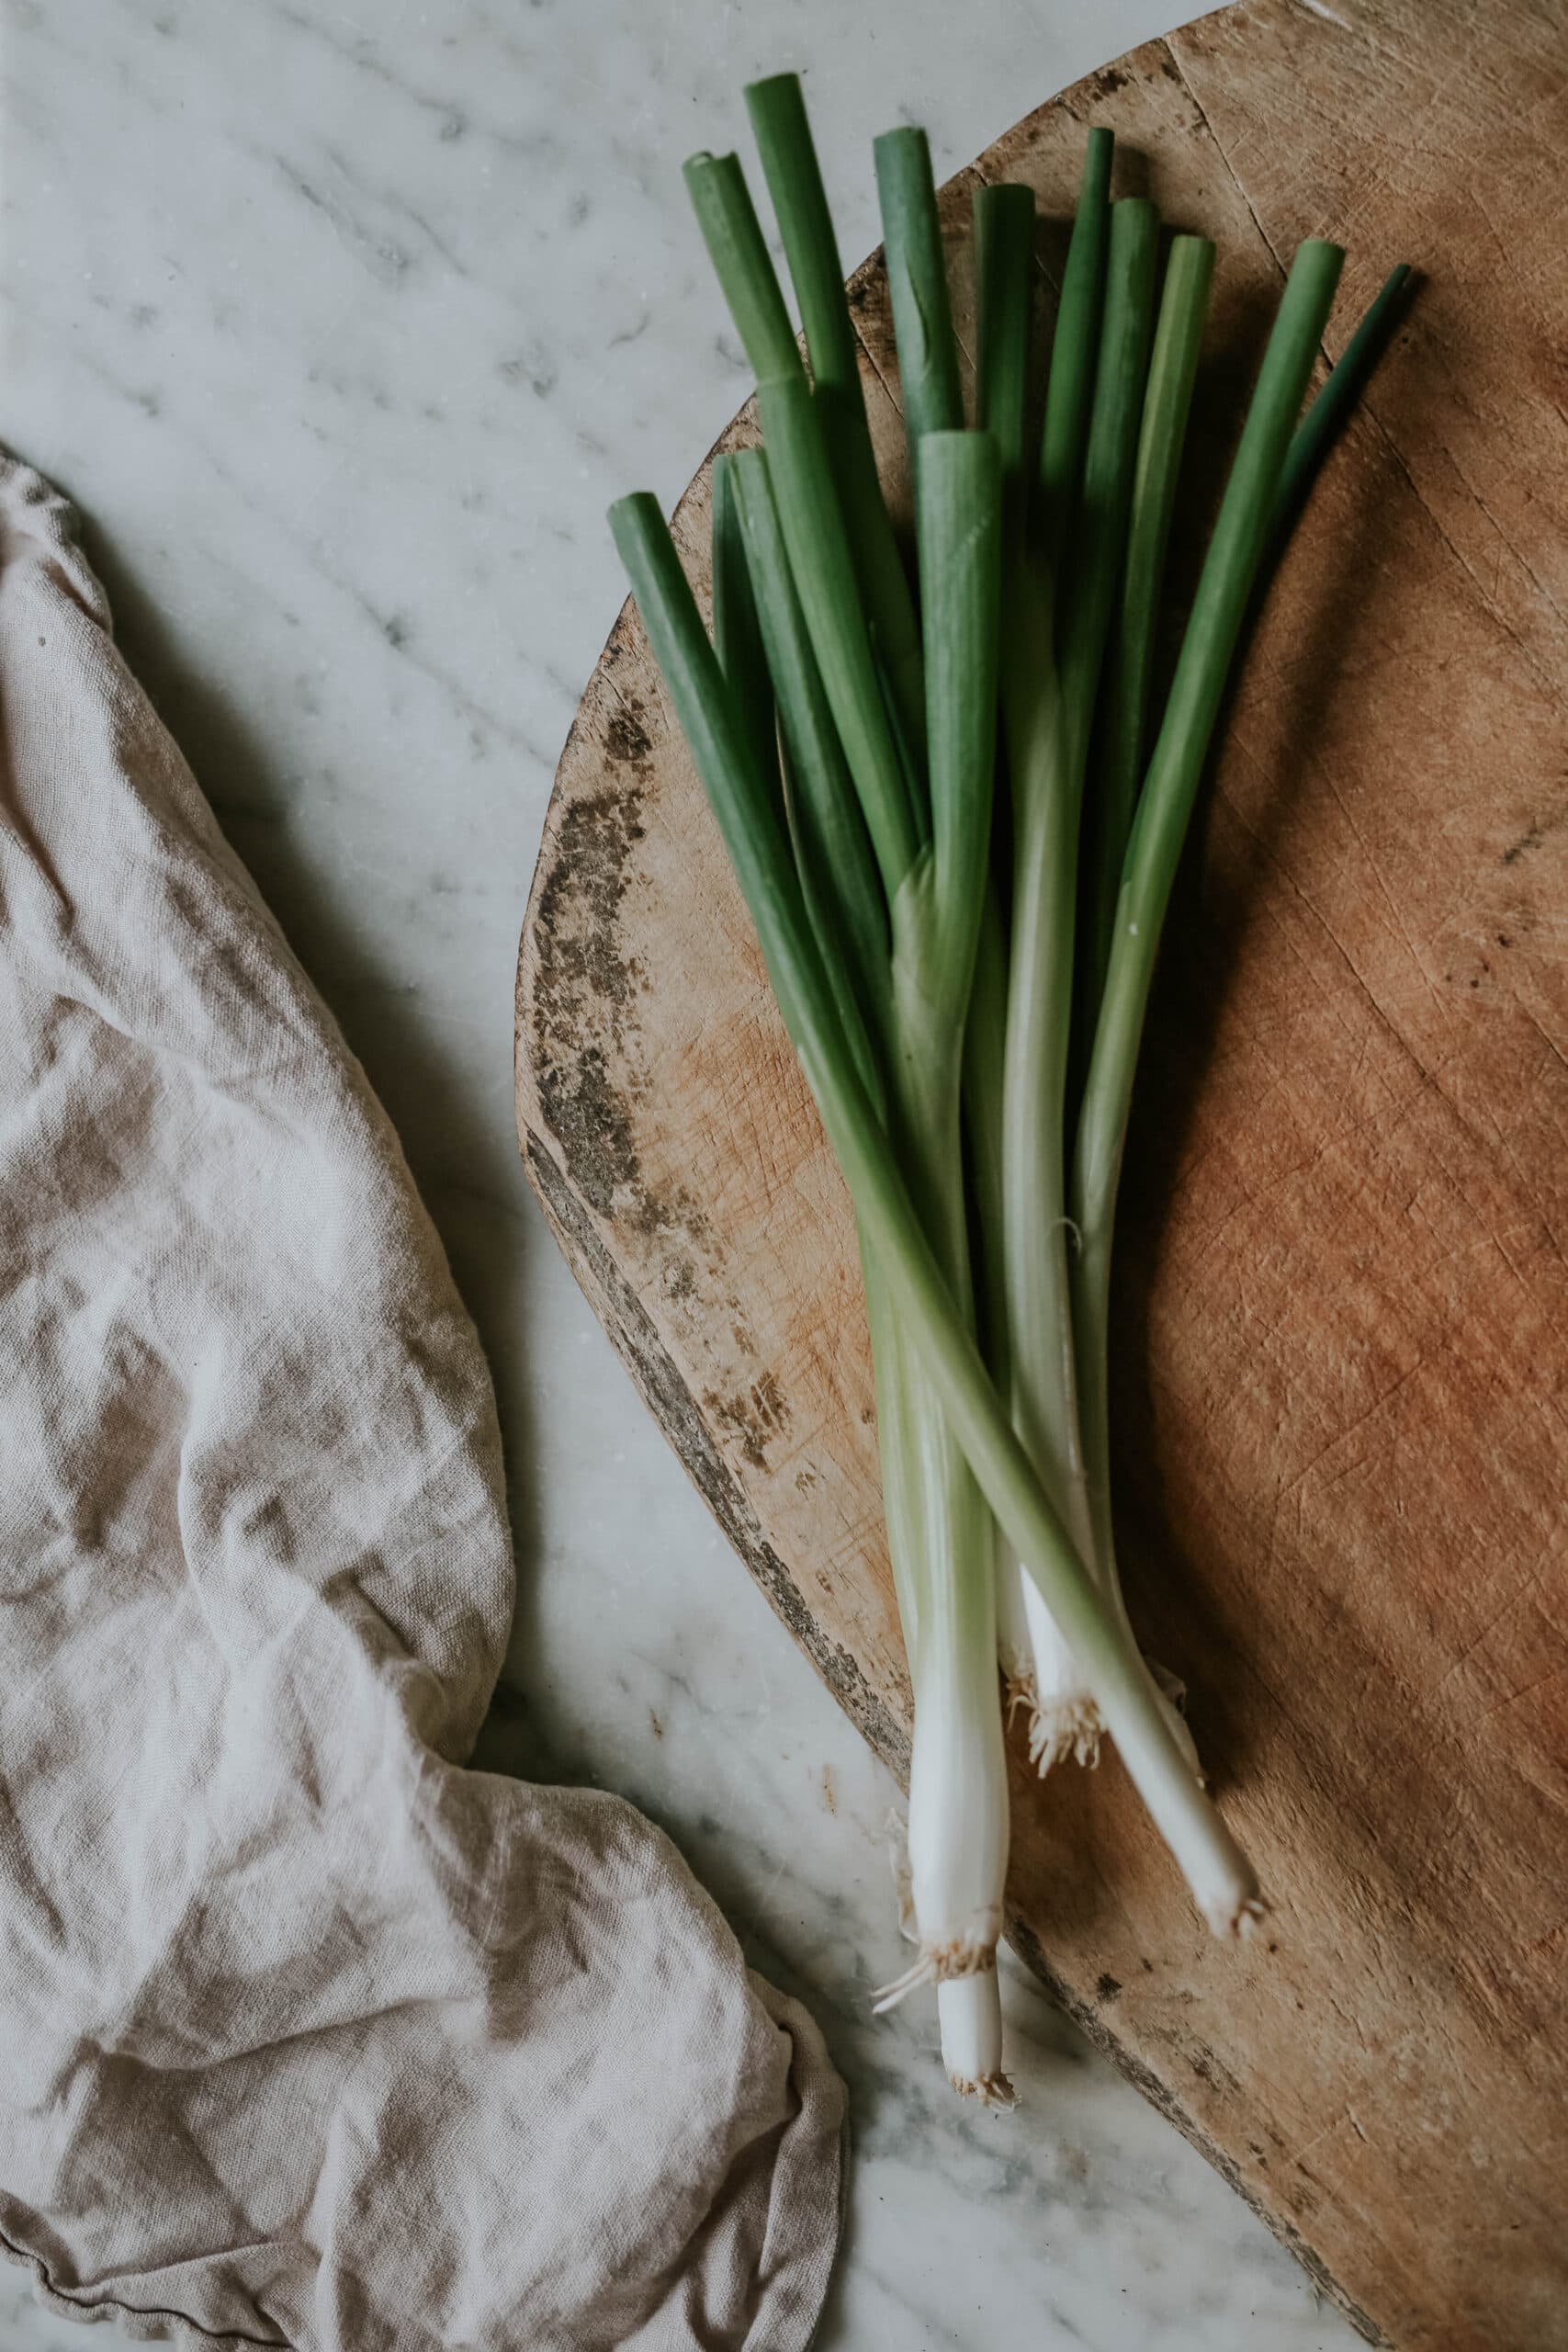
x: 1342, y: 1296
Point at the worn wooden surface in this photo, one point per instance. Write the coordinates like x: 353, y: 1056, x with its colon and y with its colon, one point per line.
x: 1342, y: 1360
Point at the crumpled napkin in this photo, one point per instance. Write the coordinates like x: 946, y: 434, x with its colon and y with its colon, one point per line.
x: 309, y: 2036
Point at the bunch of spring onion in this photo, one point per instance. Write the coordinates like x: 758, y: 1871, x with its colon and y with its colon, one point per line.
x: 955, y: 812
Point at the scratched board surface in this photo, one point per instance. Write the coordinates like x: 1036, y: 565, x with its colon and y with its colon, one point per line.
x: 1342, y: 1302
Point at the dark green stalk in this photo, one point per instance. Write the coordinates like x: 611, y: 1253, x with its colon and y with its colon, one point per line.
x: 1171, y: 373
x: 1219, y: 608
x: 825, y: 582
x: 959, y: 510
x: 720, y: 747
x: 917, y: 280
x: 1004, y: 263
x: 1165, y: 809
x: 1328, y: 413
x: 839, y: 876
x: 1004, y: 278
x: 1121, y: 376
x: 1070, y: 386
x: 779, y: 125
x: 733, y: 235
x: 1119, y: 765
x: 736, y: 629
x: 777, y: 109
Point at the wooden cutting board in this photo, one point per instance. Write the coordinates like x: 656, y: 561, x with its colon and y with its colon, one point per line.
x: 1342, y: 1336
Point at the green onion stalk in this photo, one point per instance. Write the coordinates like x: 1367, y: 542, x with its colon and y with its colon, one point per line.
x: 887, y: 821
x: 1272, y: 472
x: 1064, y: 546
x: 848, y: 726
x: 1083, y: 604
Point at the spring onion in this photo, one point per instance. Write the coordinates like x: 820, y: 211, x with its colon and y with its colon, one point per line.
x: 957, y: 851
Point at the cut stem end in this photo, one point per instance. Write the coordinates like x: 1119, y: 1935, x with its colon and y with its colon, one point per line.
x: 1238, y: 1920
x: 991, y: 2090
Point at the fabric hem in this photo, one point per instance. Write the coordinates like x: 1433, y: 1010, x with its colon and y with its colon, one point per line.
x: 185, y: 2334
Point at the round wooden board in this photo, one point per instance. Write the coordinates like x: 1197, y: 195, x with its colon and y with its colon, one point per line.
x: 1343, y: 1302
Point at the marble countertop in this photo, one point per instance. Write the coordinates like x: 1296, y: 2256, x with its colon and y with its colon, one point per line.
x: 344, y: 321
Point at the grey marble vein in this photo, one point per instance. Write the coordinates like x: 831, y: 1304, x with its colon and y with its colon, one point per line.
x: 343, y: 323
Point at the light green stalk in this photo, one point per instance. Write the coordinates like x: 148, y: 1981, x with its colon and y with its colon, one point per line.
x: 1047, y: 708
x: 958, y: 1806
x: 939, y: 1528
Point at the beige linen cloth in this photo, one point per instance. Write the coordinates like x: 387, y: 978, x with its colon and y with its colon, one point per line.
x: 308, y: 2036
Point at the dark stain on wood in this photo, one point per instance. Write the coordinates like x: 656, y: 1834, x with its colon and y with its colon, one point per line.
x: 752, y: 1417
x: 583, y: 987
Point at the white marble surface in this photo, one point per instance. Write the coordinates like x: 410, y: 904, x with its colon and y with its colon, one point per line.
x: 344, y: 320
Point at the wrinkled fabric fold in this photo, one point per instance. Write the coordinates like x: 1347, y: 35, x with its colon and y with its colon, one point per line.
x: 310, y: 2036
